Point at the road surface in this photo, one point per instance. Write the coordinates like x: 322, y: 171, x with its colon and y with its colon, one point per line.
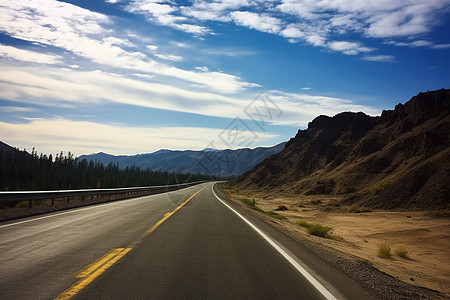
x: 186, y: 244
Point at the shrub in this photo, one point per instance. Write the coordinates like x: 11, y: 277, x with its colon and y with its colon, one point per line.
x: 304, y: 224
x: 401, y: 252
x: 384, y: 250
x: 318, y: 230
x: 315, y: 229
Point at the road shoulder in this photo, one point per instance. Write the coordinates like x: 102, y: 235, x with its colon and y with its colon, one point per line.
x: 352, y: 278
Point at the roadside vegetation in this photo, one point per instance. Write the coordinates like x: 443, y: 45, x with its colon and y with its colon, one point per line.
x: 401, y: 252
x: 269, y: 213
x: 384, y: 250
x: 315, y: 229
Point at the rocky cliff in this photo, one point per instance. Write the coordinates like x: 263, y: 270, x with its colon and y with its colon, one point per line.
x: 399, y: 160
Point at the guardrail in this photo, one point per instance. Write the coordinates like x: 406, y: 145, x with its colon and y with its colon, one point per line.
x: 30, y: 196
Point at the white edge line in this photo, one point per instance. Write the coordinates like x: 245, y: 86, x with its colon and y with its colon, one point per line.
x: 69, y: 211
x: 299, y: 268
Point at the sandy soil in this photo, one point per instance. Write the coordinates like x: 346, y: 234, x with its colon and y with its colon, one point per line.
x: 426, y: 238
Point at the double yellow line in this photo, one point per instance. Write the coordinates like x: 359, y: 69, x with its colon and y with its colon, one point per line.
x: 98, y: 267
x: 92, y: 271
x: 167, y: 215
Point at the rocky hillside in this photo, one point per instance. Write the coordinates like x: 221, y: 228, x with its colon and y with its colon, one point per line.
x: 400, y: 159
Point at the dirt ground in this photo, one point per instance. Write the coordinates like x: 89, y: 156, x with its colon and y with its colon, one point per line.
x: 426, y: 238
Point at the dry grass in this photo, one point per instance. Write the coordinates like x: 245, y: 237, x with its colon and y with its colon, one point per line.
x: 401, y: 252
x: 315, y: 229
x: 384, y: 250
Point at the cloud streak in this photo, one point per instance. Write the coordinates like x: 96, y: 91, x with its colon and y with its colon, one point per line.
x: 14, y: 53
x: 68, y: 88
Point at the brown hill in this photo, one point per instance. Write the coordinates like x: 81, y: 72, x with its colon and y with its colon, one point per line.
x: 400, y: 159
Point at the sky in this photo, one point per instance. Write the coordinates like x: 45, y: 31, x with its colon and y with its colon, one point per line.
x: 135, y: 76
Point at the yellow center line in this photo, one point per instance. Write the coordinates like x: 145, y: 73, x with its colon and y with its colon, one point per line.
x: 98, y: 267
x: 72, y: 291
x: 92, y: 267
x: 167, y: 215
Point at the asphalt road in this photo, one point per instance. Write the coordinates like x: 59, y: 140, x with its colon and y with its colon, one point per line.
x: 185, y: 244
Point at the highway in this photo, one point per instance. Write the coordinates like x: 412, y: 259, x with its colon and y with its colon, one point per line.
x: 186, y: 244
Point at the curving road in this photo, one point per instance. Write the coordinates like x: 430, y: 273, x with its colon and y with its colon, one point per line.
x: 186, y: 244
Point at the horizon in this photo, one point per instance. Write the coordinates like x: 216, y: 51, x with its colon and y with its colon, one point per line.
x: 142, y: 153
x: 128, y: 77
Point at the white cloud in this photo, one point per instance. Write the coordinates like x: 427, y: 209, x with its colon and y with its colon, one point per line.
x: 76, y: 30
x: 349, y: 48
x: 152, y: 47
x: 169, y: 57
x: 302, y: 9
x: 165, y: 14
x: 113, y: 41
x: 264, y: 22
x: 67, y: 88
x: 441, y: 46
x: 292, y: 32
x: 11, y: 52
x: 316, y: 40
x: 181, y: 45
x: 18, y: 109
x: 419, y: 43
x: 213, y: 10
x: 379, y: 58
x: 203, y: 68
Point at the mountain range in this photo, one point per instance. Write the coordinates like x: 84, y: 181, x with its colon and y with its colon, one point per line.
x: 400, y: 159
x: 208, y: 161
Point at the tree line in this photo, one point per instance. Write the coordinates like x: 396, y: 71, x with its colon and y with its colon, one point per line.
x: 20, y: 170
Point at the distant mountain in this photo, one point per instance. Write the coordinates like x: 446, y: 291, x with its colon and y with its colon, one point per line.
x: 400, y: 159
x: 207, y: 161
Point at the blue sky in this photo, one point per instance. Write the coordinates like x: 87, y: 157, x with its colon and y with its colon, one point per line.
x: 135, y: 76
